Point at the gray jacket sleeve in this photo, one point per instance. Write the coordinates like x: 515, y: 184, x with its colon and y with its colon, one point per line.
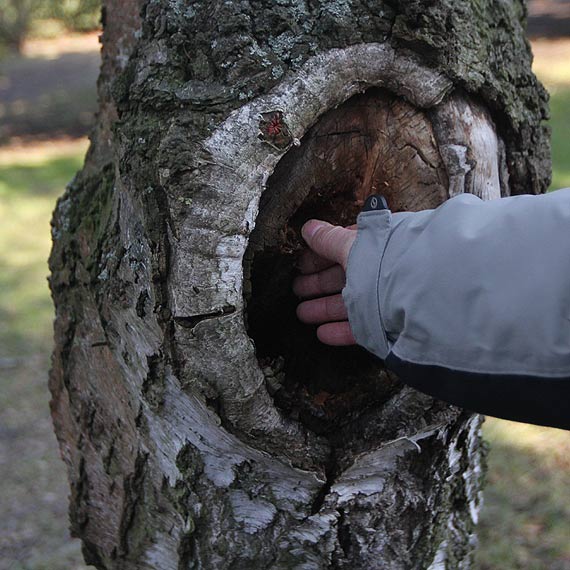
x: 470, y: 302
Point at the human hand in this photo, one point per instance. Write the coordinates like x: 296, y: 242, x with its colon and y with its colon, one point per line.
x: 322, y: 269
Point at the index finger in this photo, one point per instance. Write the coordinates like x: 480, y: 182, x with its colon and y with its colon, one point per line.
x: 311, y: 262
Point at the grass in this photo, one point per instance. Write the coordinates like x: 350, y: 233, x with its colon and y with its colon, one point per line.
x: 552, y: 65
x: 526, y: 519
x: 560, y: 124
x: 33, y: 526
x: 27, y: 195
x: 526, y: 516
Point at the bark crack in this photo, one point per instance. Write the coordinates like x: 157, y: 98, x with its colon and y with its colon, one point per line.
x: 192, y: 321
x: 331, y: 469
x: 340, y: 133
x: 343, y: 533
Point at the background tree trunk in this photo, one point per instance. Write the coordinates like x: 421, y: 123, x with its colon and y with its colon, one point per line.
x: 203, y: 427
x: 15, y: 21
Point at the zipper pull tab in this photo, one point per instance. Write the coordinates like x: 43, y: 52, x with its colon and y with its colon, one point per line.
x: 375, y: 202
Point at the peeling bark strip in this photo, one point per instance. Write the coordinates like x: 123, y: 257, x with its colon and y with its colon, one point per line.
x: 202, y: 425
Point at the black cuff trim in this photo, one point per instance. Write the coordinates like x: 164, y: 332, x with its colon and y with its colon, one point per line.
x: 529, y: 399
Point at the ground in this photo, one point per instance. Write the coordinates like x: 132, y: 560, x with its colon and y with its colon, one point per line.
x: 526, y: 516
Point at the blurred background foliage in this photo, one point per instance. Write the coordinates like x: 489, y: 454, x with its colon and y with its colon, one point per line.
x: 20, y: 19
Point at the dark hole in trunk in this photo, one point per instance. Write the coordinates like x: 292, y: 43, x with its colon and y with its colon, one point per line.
x: 318, y: 384
x: 367, y: 145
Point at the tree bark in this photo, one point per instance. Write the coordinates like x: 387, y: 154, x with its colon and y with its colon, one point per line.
x: 202, y: 425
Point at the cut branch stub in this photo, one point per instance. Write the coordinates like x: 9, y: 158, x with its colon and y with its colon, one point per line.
x: 274, y: 131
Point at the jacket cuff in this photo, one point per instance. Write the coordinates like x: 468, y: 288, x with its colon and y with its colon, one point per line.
x: 360, y: 294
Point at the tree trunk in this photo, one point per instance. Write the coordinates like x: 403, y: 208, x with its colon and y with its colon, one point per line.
x: 15, y: 21
x: 202, y: 425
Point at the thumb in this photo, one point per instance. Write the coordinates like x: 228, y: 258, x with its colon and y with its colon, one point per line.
x: 328, y: 241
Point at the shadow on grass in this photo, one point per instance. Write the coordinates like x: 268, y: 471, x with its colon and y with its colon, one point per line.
x: 43, y: 98
x: 548, y: 18
x: 525, y: 521
x: 34, y: 524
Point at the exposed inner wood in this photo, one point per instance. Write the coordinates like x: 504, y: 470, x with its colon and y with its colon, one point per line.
x: 373, y: 143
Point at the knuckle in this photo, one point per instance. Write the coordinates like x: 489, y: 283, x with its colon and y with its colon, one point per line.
x: 328, y: 307
x: 335, y: 307
x: 321, y: 280
x: 320, y: 237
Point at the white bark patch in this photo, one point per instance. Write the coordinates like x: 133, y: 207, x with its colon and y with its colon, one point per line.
x: 484, y: 143
x: 470, y: 147
x: 367, y: 474
x: 161, y: 555
x: 185, y: 419
x: 439, y: 561
x: 454, y: 458
x: 474, y: 472
x: 254, y: 514
x: 315, y: 528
